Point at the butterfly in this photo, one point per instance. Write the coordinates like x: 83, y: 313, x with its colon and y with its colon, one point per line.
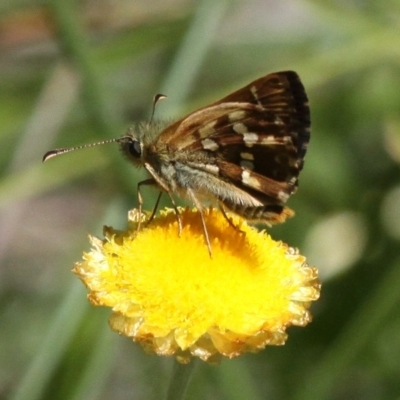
x: 243, y: 152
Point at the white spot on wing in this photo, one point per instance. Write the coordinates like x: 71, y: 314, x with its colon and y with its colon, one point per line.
x: 212, y: 169
x: 209, y: 144
x: 250, y: 139
x: 236, y: 116
x: 247, y: 156
x: 274, y: 140
x: 283, y: 196
x: 240, y: 128
x: 253, y: 90
x: 249, y: 180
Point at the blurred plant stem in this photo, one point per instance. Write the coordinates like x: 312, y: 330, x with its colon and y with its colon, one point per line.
x: 66, y: 321
x: 75, y: 46
x: 180, y: 379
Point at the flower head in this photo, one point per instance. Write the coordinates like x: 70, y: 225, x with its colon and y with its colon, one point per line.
x: 168, y: 294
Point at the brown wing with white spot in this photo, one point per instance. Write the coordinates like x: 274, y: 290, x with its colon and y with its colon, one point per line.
x: 263, y: 128
x: 280, y: 97
x: 255, y: 139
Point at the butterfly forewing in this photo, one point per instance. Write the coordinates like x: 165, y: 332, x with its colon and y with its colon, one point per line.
x: 247, y: 149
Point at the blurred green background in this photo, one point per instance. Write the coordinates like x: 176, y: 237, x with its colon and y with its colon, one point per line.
x: 77, y: 72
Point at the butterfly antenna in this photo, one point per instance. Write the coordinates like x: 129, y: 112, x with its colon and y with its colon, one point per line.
x: 57, y: 152
x: 156, y: 99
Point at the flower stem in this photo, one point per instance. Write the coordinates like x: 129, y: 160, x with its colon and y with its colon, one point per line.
x: 181, y: 375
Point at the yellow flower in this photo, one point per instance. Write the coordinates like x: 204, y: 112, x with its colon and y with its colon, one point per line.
x: 168, y: 294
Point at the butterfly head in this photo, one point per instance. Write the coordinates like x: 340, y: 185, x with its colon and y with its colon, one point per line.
x: 131, y: 145
x: 138, y: 141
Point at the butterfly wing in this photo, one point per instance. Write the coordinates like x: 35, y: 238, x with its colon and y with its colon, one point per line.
x: 247, y: 149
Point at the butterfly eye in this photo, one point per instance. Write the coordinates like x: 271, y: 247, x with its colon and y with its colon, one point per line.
x: 134, y: 148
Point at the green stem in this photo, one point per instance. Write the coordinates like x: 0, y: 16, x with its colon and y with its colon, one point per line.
x: 68, y: 317
x: 181, y: 375
x: 191, y: 56
x: 75, y: 45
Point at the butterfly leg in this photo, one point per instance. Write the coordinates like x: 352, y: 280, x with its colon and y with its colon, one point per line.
x: 203, y: 222
x: 177, y: 213
x: 229, y: 220
x: 140, y: 199
x: 161, y: 184
x: 155, y: 208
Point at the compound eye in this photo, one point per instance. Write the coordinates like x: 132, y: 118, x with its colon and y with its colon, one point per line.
x: 134, y: 148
